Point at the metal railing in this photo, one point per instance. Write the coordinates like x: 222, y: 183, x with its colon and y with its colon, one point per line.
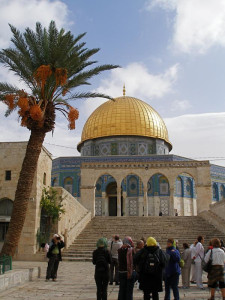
x: 5, y: 264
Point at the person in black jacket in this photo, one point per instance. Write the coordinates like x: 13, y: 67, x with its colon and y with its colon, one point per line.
x: 54, y: 255
x: 150, y: 261
x: 102, y: 259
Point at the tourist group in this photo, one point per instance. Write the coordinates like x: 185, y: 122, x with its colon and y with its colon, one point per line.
x: 147, y: 264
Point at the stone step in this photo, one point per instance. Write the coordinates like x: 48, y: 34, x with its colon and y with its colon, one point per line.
x: 185, y: 229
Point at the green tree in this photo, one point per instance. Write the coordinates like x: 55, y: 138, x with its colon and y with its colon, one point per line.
x: 52, y: 63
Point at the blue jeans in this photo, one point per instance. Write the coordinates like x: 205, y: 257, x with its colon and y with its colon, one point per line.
x: 126, y: 287
x: 172, y: 283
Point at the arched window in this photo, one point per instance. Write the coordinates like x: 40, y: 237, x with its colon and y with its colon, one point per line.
x: 44, y: 179
x: 163, y: 185
x: 189, y: 188
x: 6, y: 206
x: 68, y: 184
x: 215, y: 192
x: 179, y: 187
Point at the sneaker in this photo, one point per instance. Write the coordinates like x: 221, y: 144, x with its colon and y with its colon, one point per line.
x: 111, y: 283
x: 117, y: 283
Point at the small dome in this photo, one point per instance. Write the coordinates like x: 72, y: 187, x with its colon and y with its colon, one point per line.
x: 125, y: 116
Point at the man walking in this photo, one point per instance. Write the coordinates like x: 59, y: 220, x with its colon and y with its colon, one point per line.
x: 115, y: 245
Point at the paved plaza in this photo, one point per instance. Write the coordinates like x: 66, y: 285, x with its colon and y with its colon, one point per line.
x: 76, y: 281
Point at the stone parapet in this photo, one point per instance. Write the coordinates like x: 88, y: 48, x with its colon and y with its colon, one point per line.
x: 218, y: 208
x: 213, y: 219
x: 18, y: 277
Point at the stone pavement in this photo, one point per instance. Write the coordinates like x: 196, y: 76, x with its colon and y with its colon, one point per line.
x: 76, y: 281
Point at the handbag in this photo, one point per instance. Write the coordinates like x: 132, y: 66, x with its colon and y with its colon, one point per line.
x: 207, y: 266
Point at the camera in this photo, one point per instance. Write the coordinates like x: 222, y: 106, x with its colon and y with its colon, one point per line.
x: 58, y: 238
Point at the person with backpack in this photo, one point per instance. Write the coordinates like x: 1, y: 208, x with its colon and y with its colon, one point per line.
x: 150, y: 262
x: 115, y: 245
x: 101, y: 258
x: 216, y: 271
x: 172, y: 271
x: 126, y: 271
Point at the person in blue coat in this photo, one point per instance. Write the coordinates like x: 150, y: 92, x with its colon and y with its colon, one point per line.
x: 172, y: 271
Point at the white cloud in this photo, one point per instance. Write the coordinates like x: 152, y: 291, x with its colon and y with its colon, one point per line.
x: 198, y: 135
x: 139, y: 83
x: 198, y: 24
x: 180, y: 105
x: 193, y: 136
x: 25, y: 13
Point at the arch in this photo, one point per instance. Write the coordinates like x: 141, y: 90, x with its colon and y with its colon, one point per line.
x: 6, y: 207
x: 215, y: 192
x: 188, y: 185
x: 158, y: 185
x: 179, y: 187
x: 222, y: 192
x: 68, y: 184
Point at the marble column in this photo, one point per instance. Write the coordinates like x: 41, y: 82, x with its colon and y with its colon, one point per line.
x: 105, y: 203
x: 145, y: 202
x: 171, y: 204
x: 118, y: 201
x: 124, y: 203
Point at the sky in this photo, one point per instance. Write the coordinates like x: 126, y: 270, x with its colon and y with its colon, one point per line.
x: 171, y: 53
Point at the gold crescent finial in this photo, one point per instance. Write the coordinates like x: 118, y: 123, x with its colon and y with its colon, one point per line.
x: 124, y: 90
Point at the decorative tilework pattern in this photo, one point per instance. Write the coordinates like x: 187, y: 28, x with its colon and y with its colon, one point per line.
x: 142, y: 149
x: 98, y: 207
x: 123, y: 149
x: 133, y: 207
x: 114, y: 148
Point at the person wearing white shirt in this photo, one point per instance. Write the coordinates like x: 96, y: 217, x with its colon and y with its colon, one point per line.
x: 216, y: 273
x: 193, y: 275
x: 198, y: 258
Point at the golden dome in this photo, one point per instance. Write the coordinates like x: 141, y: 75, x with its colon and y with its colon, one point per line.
x: 125, y: 116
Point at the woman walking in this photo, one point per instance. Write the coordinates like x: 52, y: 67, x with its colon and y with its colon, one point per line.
x: 216, y: 273
x: 101, y: 259
x: 186, y: 270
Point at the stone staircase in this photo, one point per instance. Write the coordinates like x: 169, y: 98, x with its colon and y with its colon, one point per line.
x: 185, y: 229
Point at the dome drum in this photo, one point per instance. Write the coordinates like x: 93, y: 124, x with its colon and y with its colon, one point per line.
x: 124, y: 145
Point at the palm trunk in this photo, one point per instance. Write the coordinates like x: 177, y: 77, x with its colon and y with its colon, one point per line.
x: 23, y: 191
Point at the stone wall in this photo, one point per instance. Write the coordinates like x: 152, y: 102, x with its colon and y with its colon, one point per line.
x: 11, y: 157
x: 215, y: 215
x: 218, y: 208
x: 74, y: 220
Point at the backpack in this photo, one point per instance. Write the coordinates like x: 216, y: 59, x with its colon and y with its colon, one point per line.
x: 101, y: 263
x: 151, y: 264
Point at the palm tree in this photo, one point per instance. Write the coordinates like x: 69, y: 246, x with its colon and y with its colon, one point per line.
x: 52, y: 64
